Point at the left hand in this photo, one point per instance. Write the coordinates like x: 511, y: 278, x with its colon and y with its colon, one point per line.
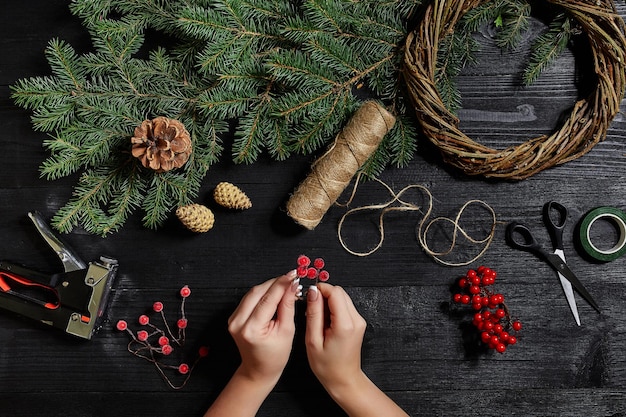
x: 263, y: 328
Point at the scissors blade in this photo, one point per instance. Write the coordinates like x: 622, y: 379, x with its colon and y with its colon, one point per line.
x: 567, y: 288
x: 560, y: 266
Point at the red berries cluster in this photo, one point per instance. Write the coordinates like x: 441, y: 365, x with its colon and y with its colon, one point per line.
x: 491, y: 315
x: 315, y: 271
x: 151, y: 341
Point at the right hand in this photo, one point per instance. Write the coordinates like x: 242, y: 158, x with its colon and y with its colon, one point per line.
x: 334, y: 335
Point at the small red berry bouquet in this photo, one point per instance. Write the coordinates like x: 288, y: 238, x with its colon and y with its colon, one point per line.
x: 153, y: 343
x: 491, y: 315
x: 314, y: 271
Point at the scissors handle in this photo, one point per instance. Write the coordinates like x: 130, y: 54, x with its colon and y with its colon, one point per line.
x: 520, y: 237
x: 554, y: 217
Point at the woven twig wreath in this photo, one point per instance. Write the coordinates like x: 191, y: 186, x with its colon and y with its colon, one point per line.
x: 586, y: 126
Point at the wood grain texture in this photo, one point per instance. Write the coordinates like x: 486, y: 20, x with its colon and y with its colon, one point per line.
x: 418, y: 347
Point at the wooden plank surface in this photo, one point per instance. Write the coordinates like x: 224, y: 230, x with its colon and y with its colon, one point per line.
x: 418, y: 346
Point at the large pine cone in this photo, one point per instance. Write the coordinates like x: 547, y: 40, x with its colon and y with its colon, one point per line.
x: 161, y: 144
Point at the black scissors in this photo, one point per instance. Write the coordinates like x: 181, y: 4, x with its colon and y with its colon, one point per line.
x: 520, y: 237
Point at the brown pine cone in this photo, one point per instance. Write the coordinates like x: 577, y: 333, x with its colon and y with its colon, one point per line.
x: 196, y: 217
x: 161, y: 144
x: 230, y: 196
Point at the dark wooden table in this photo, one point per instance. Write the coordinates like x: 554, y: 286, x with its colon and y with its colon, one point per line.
x: 416, y: 348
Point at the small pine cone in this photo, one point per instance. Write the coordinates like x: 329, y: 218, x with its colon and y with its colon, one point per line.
x: 196, y: 217
x: 230, y: 196
x: 161, y: 144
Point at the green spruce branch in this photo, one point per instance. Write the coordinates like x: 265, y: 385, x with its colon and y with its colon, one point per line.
x: 548, y: 47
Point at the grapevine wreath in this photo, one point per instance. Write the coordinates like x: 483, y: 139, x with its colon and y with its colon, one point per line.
x: 586, y: 126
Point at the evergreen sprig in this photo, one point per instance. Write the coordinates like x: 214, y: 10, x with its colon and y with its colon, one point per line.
x: 289, y: 74
x: 548, y: 47
x: 509, y: 19
x: 90, y: 107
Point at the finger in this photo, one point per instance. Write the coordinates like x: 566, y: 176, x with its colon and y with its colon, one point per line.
x: 285, y: 315
x: 340, y: 315
x: 357, y: 318
x: 354, y: 313
x: 314, y: 335
x: 267, y: 305
x: 249, y: 301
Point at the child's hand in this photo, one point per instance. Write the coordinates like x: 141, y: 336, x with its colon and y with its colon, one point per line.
x: 263, y: 328
x: 334, y: 337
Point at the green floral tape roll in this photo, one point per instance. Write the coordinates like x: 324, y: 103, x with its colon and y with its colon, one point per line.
x: 612, y: 214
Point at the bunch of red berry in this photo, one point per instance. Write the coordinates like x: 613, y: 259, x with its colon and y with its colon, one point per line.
x: 152, y: 342
x: 491, y: 315
x: 314, y: 271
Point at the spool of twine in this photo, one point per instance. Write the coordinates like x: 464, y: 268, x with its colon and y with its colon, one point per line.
x: 332, y: 172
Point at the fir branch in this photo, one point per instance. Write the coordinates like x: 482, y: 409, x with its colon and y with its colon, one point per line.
x: 225, y: 103
x: 401, y: 141
x: 165, y: 192
x: 548, y: 47
x: 233, y: 32
x: 64, y: 160
x: 119, y: 39
x: 251, y: 133
x: 94, y: 188
x: 515, y: 15
x: 79, y: 147
x: 455, y: 52
x: 65, y: 65
x: 278, y: 141
x: 37, y: 92
x: 91, y: 12
x: 127, y: 196
x: 477, y: 17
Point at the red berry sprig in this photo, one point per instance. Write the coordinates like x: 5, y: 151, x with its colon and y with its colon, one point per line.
x: 491, y: 317
x: 152, y: 343
x: 313, y: 271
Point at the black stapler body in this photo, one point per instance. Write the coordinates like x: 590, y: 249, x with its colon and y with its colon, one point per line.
x: 74, y: 300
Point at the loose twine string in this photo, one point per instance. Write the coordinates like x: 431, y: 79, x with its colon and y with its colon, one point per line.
x: 332, y: 172
x: 423, y: 226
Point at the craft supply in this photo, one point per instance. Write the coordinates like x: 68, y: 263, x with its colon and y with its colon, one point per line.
x: 196, y: 217
x: 333, y: 171
x: 588, y: 121
x: 161, y: 144
x: 73, y: 301
x: 230, y: 196
x: 611, y: 214
x: 313, y: 271
x: 423, y: 226
x: 555, y: 226
x: 520, y: 237
x: 152, y: 343
x: 492, y: 317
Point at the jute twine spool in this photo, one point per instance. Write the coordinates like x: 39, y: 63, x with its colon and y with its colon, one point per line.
x: 332, y: 172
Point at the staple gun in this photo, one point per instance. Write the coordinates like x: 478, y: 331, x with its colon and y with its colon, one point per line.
x: 74, y: 300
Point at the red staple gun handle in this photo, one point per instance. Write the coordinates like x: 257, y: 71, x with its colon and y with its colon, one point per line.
x: 34, y: 291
